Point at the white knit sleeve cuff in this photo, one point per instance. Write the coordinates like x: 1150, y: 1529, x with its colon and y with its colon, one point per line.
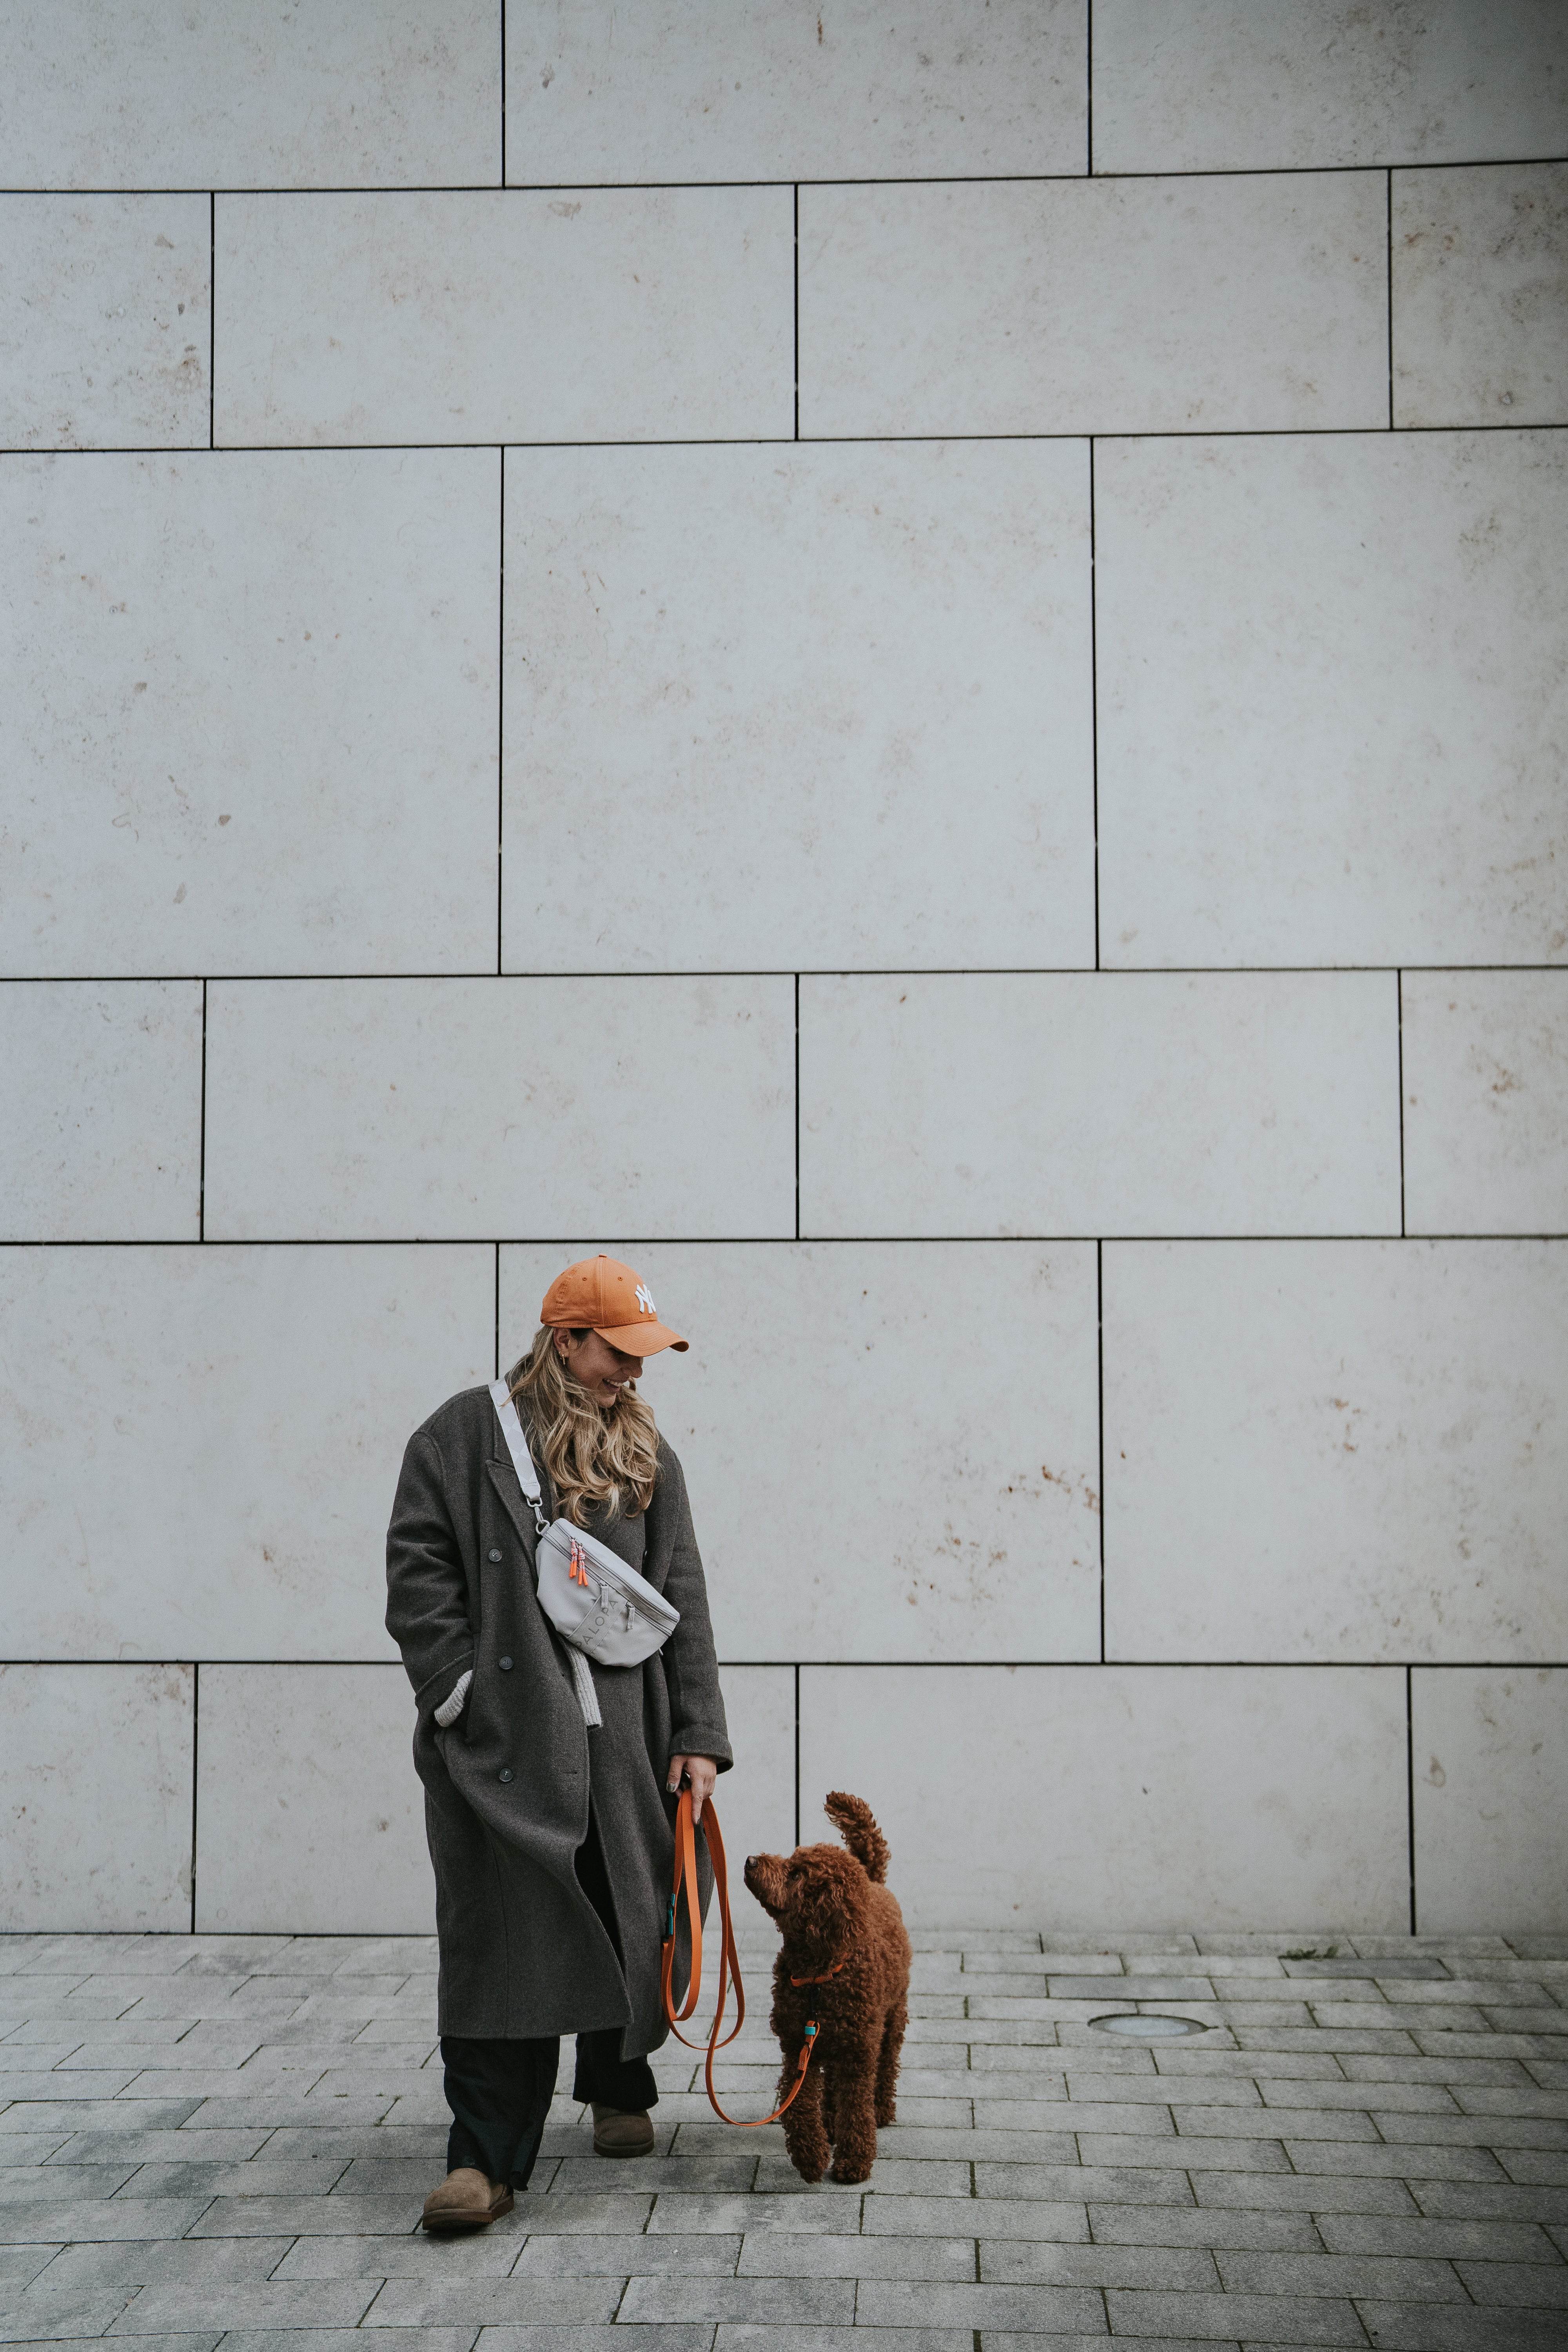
x: 452, y: 1706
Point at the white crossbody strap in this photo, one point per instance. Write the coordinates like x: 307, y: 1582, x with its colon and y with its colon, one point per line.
x: 528, y: 1479
x: 517, y: 1446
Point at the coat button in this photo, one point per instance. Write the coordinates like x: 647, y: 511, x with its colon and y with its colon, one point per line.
x: 506, y: 1665
x: 495, y: 1555
x: 504, y: 1774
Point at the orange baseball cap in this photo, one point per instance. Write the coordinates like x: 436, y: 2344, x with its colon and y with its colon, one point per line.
x: 606, y: 1297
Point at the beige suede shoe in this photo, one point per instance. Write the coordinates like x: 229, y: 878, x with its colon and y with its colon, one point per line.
x: 617, y: 2132
x: 464, y: 2200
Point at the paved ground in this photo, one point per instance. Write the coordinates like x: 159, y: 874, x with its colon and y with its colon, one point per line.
x: 227, y: 2140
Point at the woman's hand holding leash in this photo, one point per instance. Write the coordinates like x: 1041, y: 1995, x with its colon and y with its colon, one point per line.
x: 699, y: 1772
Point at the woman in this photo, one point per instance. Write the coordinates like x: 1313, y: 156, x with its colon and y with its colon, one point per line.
x: 553, y: 1843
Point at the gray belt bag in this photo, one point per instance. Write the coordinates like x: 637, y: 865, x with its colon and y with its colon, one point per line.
x: 601, y: 1607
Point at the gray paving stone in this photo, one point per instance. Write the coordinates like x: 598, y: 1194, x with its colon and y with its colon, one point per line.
x: 1382, y: 2040
x: 1488, y: 2045
x: 997, y: 2339
x: 1529, y: 2283
x: 891, y: 2177
x: 1273, y: 2122
x: 337, y: 2339
x: 659, y: 2173
x: 1298, y: 2193
x: 775, y: 2253
x: 37, y: 2183
x: 380, y: 2142
x: 1417, y: 2069
x: 1026, y: 2114
x: 33, y: 2057
x: 397, y: 2176
x: 263, y: 2176
x: 1484, y: 2099
x: 699, y: 2254
x: 18, y: 2264
x: 58, y: 2012
x: 1262, y: 2008
x: 137, y: 2058
x: 1392, y: 1968
x: 1429, y: 2161
x: 1263, y: 2319
x: 1459, y: 2327
x: 99, y: 2219
x: 488, y: 2254
x: 1394, y: 2277
x: 91, y: 2113
x: 572, y: 2214
x: 1039, y: 2310
x: 1479, y: 2201
x: 150, y: 2147
x: 1146, y: 1987
x: 1123, y: 2184
x: 944, y: 2083
x: 1449, y: 2240
x: 990, y: 2217
x: 1144, y: 2117
x: 38, y: 2030
x: 1485, y: 2130
x: 1545, y: 2166
x: 738, y: 2335
x: 240, y: 2089
x: 910, y: 2142
x: 1158, y: 2090
x: 774, y: 2301
x: 1509, y: 2019
x: 1387, y: 2098
x: 979, y: 1962
x: 1179, y: 2269
x: 204, y: 2340
x: 1015, y: 2042
x: 1209, y: 2225
x: 825, y: 2212
x: 30, y: 2316
x: 1359, y: 2005
x: 165, y: 2262
x: 1215, y: 2153
x: 690, y: 2336
x: 492, y: 2303
x: 309, y: 2217
x: 1079, y: 2046
x: 267, y: 2110
x: 224, y: 2304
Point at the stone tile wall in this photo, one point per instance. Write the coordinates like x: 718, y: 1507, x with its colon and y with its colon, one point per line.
x: 911, y: 671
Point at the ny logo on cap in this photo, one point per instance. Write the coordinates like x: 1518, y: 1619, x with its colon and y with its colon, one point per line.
x: 644, y: 1298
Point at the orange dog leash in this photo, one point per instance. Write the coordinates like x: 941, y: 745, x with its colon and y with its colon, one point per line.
x: 729, y: 1959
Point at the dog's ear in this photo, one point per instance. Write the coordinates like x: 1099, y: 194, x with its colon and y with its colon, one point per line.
x: 856, y: 1823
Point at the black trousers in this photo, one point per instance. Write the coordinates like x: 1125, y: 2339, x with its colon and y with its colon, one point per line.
x: 499, y: 2089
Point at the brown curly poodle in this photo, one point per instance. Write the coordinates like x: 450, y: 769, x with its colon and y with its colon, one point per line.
x: 844, y: 1964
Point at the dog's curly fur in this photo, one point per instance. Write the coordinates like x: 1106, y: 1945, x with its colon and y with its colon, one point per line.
x: 830, y: 1905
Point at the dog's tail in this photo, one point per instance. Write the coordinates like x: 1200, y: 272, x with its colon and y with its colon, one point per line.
x: 856, y: 1823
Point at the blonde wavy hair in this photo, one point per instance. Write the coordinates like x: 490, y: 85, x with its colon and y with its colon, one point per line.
x: 595, y: 1454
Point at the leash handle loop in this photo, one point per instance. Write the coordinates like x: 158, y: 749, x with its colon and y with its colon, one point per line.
x: 729, y: 1959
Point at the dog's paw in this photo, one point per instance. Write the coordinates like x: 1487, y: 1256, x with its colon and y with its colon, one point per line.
x: 886, y: 2116
x: 845, y: 2173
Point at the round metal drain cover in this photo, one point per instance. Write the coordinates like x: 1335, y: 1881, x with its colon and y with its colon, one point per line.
x: 1145, y: 2028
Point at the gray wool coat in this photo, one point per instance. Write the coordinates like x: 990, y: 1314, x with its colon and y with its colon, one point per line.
x: 507, y: 1789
